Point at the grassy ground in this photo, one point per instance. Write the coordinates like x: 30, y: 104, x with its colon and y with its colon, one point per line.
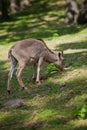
x: 48, y: 107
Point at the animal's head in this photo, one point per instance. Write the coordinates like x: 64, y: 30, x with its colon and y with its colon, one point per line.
x: 59, y: 61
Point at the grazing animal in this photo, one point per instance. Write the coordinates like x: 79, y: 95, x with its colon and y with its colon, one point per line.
x: 31, y: 52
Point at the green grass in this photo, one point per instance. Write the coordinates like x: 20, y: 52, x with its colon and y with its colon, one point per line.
x: 48, y: 107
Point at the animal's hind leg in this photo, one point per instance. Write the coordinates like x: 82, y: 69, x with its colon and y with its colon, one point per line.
x: 18, y: 74
x: 13, y: 65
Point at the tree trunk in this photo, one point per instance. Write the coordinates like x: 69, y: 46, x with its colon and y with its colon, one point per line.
x: 14, y: 6
x: 82, y: 18
x: 72, y: 11
x: 24, y: 3
x: 4, y: 9
x: 17, y: 5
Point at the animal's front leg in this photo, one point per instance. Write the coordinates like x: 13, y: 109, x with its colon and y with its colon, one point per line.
x: 38, y: 70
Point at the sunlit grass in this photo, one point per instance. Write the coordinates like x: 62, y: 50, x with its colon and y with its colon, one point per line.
x: 79, y: 124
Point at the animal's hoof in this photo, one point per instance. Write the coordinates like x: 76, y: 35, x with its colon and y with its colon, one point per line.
x: 38, y: 83
x: 24, y: 88
x: 9, y: 92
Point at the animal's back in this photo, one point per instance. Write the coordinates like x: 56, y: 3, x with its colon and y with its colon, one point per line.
x: 28, y: 48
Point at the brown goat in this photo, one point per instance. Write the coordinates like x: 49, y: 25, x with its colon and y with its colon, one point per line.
x: 32, y: 52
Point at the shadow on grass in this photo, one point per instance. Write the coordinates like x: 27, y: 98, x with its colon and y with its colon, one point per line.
x: 81, y: 128
x: 20, y: 121
x: 76, y: 60
x: 41, y: 20
x: 76, y: 53
x: 49, y: 106
x: 3, y: 79
x: 75, y: 45
x: 23, y: 31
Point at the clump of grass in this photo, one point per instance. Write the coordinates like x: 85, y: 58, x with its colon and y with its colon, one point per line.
x: 83, y: 112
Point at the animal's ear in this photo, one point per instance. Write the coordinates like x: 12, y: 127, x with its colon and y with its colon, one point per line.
x: 62, y: 52
x: 59, y: 54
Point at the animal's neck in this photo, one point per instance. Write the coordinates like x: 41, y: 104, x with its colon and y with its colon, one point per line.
x: 50, y: 57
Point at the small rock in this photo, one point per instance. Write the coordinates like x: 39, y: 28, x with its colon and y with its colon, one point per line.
x: 13, y: 103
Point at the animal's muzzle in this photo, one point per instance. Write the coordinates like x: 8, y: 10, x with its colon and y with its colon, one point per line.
x: 61, y: 68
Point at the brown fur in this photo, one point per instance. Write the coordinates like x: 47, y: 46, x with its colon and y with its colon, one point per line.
x: 31, y: 52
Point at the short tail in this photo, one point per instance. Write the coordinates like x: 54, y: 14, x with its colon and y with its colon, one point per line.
x: 9, y: 53
x: 13, y: 62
